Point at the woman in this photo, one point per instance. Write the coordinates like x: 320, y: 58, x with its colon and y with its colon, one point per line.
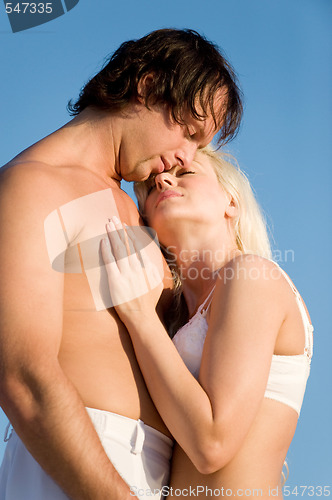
x: 232, y: 401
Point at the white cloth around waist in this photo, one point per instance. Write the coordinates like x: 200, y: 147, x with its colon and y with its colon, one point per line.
x: 134, y: 433
x: 140, y: 453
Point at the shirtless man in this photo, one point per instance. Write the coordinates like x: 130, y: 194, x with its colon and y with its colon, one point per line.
x: 69, y: 377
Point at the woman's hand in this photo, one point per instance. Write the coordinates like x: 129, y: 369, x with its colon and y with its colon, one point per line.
x: 134, y: 268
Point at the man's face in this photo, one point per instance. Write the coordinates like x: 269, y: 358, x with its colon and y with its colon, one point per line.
x: 152, y: 142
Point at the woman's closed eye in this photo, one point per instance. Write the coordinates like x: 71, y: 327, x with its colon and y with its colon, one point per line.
x: 184, y: 172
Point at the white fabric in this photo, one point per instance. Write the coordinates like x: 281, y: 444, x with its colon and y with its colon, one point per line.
x: 140, y: 454
x: 288, y: 374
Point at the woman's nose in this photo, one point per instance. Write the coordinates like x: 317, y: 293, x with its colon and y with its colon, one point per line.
x: 165, y: 180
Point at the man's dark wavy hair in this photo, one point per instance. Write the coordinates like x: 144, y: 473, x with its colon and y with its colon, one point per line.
x: 188, y: 70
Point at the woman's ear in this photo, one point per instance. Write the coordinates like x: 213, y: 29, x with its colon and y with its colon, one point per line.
x: 143, y: 86
x: 232, y: 208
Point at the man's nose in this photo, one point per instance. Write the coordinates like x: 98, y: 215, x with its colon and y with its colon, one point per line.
x: 185, y: 156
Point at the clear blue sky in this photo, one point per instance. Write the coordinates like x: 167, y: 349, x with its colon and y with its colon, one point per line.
x: 281, y: 50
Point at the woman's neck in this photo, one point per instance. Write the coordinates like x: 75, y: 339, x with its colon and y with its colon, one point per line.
x: 199, y: 258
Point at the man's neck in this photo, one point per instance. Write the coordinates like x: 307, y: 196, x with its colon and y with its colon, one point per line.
x: 88, y: 141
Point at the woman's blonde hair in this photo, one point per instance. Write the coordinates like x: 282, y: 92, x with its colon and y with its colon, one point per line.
x: 250, y: 227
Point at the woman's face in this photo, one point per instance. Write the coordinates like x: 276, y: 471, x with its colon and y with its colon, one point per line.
x: 186, y: 195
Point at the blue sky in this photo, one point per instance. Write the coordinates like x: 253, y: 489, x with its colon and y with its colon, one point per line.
x: 281, y: 50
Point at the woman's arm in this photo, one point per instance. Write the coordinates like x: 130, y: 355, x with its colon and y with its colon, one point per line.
x: 210, y: 418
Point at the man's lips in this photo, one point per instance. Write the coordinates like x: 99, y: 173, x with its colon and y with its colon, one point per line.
x: 167, y: 194
x: 167, y: 165
x: 163, y: 166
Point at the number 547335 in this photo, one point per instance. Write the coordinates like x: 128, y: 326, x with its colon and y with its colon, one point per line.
x: 29, y: 8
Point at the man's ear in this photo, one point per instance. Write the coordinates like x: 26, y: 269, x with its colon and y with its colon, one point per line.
x: 143, y: 86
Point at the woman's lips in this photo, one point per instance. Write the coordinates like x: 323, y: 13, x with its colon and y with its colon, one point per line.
x: 167, y: 194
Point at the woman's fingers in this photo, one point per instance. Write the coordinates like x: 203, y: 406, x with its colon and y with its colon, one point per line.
x: 111, y: 266
x: 132, y: 261
x: 150, y: 255
x: 117, y: 224
x: 119, y: 244
x: 134, y: 256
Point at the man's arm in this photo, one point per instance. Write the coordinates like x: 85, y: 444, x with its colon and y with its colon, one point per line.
x: 43, y: 406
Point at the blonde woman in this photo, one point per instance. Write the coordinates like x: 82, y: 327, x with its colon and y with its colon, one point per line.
x: 230, y: 384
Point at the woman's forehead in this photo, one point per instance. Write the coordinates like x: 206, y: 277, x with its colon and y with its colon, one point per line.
x: 202, y: 161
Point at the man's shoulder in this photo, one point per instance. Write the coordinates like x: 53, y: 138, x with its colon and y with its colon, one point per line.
x: 84, y: 200
x: 34, y: 183
x: 29, y: 173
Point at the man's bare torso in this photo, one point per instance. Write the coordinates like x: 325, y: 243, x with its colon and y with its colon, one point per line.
x: 95, y: 353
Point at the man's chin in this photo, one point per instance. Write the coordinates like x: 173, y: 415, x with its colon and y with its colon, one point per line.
x: 136, y: 177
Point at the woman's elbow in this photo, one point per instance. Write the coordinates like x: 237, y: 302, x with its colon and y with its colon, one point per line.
x: 211, y: 458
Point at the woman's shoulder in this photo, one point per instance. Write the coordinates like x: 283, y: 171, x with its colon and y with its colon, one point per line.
x: 251, y: 267
x: 252, y: 276
x: 250, y: 290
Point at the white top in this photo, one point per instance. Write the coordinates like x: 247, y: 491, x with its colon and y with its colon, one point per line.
x: 288, y: 374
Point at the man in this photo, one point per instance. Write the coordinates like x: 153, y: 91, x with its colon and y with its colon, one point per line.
x: 69, y: 377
